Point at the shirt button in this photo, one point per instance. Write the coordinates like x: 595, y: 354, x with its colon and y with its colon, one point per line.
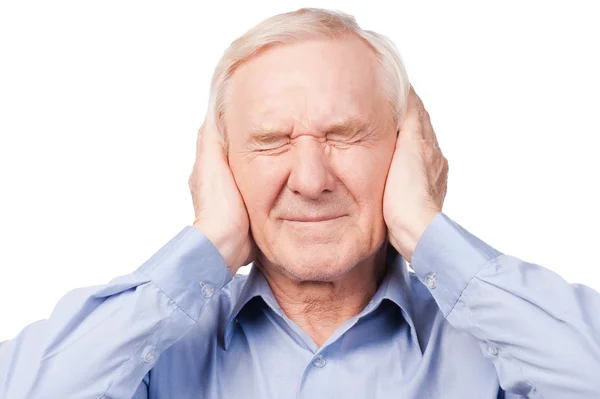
x: 207, y: 289
x: 319, y: 361
x: 149, y: 355
x: 492, y: 351
x: 430, y: 281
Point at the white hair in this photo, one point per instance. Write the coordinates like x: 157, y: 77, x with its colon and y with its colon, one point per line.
x: 304, y: 24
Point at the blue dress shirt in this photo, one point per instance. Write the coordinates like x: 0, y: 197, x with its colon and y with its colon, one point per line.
x: 470, y: 322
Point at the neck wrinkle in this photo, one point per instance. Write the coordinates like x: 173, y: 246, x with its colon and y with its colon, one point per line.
x: 319, y: 308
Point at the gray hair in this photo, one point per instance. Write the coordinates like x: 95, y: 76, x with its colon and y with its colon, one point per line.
x: 303, y: 24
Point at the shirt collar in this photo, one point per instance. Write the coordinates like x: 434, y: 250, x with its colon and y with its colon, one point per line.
x: 394, y: 287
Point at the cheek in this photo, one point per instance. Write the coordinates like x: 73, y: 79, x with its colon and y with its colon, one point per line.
x: 363, y: 171
x: 260, y: 181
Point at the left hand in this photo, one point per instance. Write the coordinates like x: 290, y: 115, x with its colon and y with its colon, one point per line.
x: 417, y: 180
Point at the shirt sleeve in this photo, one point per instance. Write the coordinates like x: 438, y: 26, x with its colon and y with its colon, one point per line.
x: 101, y: 341
x: 541, y: 333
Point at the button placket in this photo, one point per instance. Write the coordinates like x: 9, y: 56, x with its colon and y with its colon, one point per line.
x: 431, y: 281
x: 319, y: 361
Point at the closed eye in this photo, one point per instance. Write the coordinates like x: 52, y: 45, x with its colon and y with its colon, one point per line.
x: 344, y: 142
x: 268, y: 142
x: 272, y: 148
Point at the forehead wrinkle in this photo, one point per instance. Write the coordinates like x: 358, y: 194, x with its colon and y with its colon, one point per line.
x: 338, y: 125
x: 265, y: 131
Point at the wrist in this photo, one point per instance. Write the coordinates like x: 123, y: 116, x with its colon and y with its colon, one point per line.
x: 228, y: 245
x: 405, y: 236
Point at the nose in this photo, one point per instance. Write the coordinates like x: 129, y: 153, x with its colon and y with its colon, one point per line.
x: 311, y: 172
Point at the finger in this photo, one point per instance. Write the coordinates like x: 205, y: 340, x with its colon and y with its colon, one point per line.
x: 412, y: 124
x: 205, y: 149
x: 428, y: 132
x: 198, y: 139
x: 208, y: 143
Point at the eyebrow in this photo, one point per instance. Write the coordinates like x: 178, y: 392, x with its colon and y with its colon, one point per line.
x: 264, y: 132
x: 346, y: 126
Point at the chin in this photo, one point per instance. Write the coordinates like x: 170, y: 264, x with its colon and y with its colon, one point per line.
x: 317, y: 264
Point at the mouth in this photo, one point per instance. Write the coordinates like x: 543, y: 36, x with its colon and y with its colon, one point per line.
x: 314, y: 219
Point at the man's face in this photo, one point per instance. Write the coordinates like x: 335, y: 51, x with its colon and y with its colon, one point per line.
x: 311, y: 137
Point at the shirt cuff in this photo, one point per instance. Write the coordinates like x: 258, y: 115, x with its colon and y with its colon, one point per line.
x: 189, y: 270
x: 447, y: 257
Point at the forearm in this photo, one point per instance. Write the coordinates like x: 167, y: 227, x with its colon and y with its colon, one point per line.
x: 103, y: 340
x: 541, y: 333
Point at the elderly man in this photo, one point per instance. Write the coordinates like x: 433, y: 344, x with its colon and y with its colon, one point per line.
x: 319, y: 165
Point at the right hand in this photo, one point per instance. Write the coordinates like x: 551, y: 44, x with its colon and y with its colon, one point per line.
x: 220, y: 213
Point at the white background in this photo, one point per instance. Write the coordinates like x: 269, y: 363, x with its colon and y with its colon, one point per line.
x: 100, y: 103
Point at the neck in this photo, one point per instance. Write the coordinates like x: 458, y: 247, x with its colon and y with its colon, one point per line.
x: 320, y: 307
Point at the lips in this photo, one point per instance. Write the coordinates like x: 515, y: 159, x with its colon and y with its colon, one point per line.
x: 313, y: 219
